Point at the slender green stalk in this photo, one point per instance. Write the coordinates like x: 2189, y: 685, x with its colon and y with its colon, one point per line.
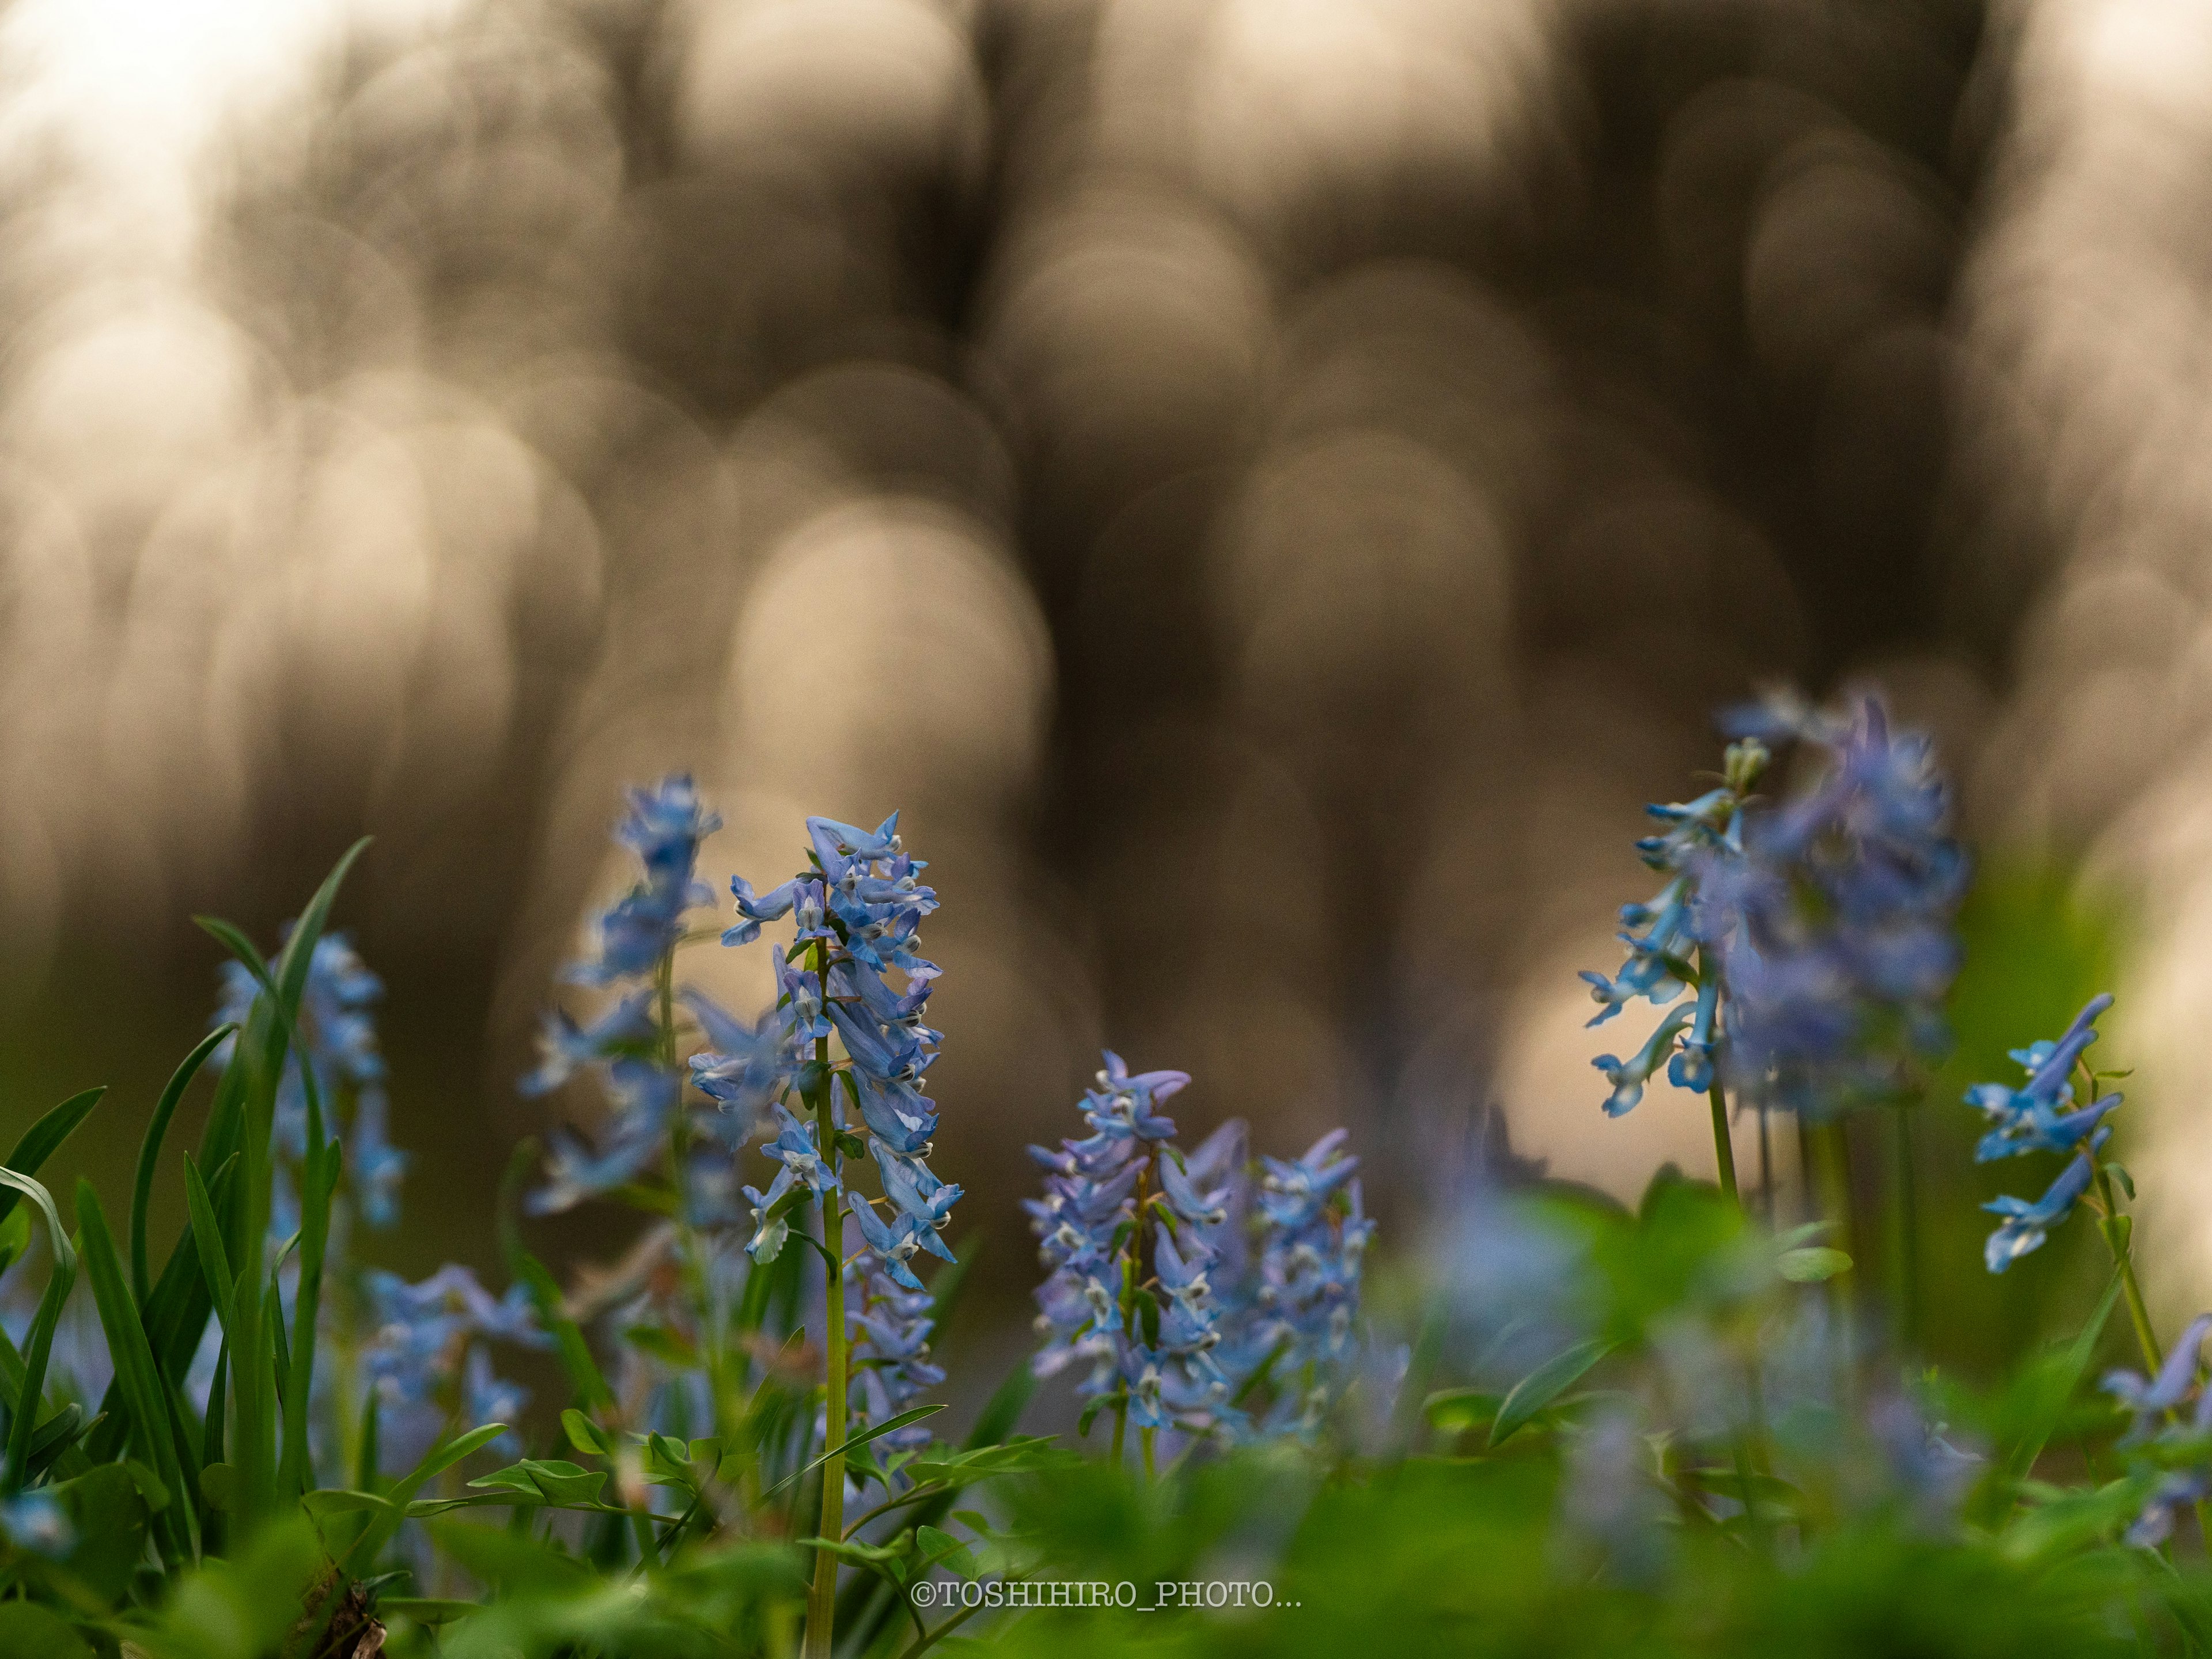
x: 1145, y: 1439
x: 2117, y: 1230
x: 822, y: 1601
x: 1724, y: 1147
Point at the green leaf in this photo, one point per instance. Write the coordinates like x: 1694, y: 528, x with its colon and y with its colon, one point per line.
x: 27, y: 1628
x: 942, y: 1549
x: 1454, y: 1411
x: 1544, y: 1384
x: 207, y: 1238
x: 30, y: 1395
x: 43, y: 1139
x: 219, y: 1485
x: 424, y: 1609
x: 1812, y: 1264
x: 441, y: 1457
x: 1035, y: 1453
x: 145, y: 1393
x: 585, y: 1435
x: 110, y: 1516
x: 1004, y: 1409
x: 875, y: 1431
x: 556, y: 1483
x: 150, y: 1152
x: 2048, y: 1383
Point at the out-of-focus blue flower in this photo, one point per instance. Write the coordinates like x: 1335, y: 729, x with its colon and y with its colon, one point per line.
x: 1816, y: 932
x: 36, y: 1522
x: 664, y: 827
x: 2026, y: 1224
x: 889, y: 1364
x: 2159, y: 1424
x: 565, y: 1047
x: 338, y: 1032
x: 746, y: 1068
x: 2150, y: 1400
x: 633, y: 1138
x: 377, y: 1166
x: 425, y: 1358
x: 1832, y: 927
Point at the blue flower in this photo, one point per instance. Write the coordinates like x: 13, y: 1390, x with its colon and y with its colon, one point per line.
x: 564, y: 1046
x: 2026, y: 1224
x: 664, y: 827
x: 894, y: 1245
x: 2161, y: 1433
x: 377, y: 1166
x: 891, y: 1327
x: 426, y: 1360
x: 338, y: 1041
x: 1629, y: 1076
x: 2040, y: 1116
x: 803, y: 1164
x: 2035, y: 1117
x: 1816, y: 932
x: 1218, y: 1312
x: 634, y: 1138
x: 36, y: 1522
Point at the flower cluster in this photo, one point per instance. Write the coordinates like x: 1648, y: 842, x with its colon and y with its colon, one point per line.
x: 1815, y: 933
x: 2162, y: 1437
x: 889, y: 1328
x: 427, y: 1359
x: 1309, y: 1272
x: 338, y: 1033
x: 1701, y: 837
x: 2041, y: 1116
x: 1833, y: 930
x: 627, y: 1046
x: 1157, y: 1280
x: 857, y: 909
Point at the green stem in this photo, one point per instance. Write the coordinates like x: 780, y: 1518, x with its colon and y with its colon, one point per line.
x: 1724, y: 1147
x: 1120, y: 1427
x: 1145, y: 1439
x: 2118, y: 1229
x: 822, y: 1602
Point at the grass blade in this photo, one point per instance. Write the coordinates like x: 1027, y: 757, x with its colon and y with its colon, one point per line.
x: 43, y: 1139
x: 144, y: 1394
x: 30, y: 1393
x: 442, y: 1458
x: 321, y: 1179
x: 1544, y: 1384
x: 207, y: 1237
x: 874, y: 1431
x: 149, y: 1151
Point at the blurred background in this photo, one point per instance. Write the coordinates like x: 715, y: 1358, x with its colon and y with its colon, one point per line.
x: 1269, y: 486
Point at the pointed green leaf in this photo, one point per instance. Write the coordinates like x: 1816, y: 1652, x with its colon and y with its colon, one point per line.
x: 1544, y: 1384
x: 43, y: 1139
x: 150, y: 1152
x: 874, y: 1431
x: 1811, y: 1265
x: 144, y: 1394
